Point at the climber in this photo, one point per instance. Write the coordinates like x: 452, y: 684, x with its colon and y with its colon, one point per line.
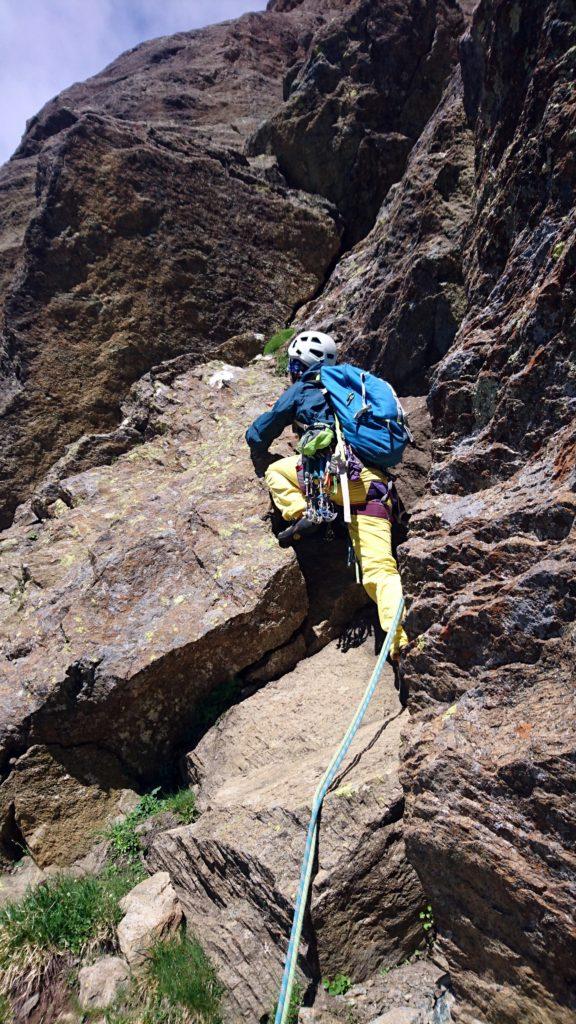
x: 304, y: 405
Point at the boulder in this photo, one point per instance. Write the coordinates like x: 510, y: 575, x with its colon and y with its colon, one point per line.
x: 123, y: 610
x: 236, y: 869
x: 102, y: 982
x: 60, y: 801
x: 151, y: 912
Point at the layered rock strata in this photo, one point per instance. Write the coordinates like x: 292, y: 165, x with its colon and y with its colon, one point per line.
x: 489, y: 762
x: 235, y: 870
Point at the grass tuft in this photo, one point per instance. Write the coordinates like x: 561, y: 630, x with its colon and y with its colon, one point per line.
x: 124, y: 839
x: 179, y: 986
x: 63, y: 916
x: 278, y: 340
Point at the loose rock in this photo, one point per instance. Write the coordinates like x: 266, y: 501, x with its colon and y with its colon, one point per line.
x: 151, y: 912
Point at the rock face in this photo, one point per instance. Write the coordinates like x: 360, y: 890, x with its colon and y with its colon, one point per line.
x: 236, y: 869
x: 395, y: 302
x: 357, y: 103
x: 133, y: 599
x: 135, y: 230
x: 141, y: 572
x: 489, y: 764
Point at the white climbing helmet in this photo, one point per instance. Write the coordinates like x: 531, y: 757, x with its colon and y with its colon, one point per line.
x: 313, y: 347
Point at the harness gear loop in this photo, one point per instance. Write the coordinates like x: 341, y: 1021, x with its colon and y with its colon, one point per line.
x: 326, y: 781
x: 342, y: 470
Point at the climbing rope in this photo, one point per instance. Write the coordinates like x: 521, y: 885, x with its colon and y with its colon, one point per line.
x: 311, y: 836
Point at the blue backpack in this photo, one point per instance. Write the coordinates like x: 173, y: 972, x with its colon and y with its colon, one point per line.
x: 371, y: 417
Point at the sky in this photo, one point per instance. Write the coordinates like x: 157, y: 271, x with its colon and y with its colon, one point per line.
x: 46, y: 45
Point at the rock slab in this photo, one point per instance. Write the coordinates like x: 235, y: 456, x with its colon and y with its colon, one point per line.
x: 132, y: 600
x: 151, y: 912
x: 236, y: 869
x: 101, y: 983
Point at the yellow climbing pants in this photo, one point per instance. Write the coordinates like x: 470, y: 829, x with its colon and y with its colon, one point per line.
x: 371, y: 537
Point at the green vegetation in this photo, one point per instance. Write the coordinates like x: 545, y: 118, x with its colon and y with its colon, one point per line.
x: 184, y: 976
x: 64, y: 916
x: 427, y: 918
x: 124, y: 839
x: 276, y: 345
x: 278, y: 340
x: 293, y: 1006
x: 338, y: 985
x: 281, y: 364
x: 180, y: 986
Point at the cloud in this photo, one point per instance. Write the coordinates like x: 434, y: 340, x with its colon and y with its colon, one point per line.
x: 46, y: 45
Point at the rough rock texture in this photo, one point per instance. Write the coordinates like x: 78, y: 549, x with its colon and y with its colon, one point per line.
x: 137, y: 595
x: 142, y: 246
x: 395, y: 302
x: 58, y: 799
x: 133, y: 229
x: 413, y: 993
x: 489, y: 763
x: 358, y: 102
x: 101, y: 983
x: 236, y: 869
x: 151, y: 912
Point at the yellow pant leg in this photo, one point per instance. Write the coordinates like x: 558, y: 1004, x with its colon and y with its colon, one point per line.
x: 372, y: 542
x: 282, y: 481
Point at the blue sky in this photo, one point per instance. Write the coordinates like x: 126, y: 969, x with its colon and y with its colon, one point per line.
x: 46, y: 45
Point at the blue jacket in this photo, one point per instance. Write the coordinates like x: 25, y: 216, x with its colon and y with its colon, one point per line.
x: 303, y: 404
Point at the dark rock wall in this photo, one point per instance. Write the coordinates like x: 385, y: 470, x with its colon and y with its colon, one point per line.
x: 357, y: 103
x: 136, y: 228
x: 133, y: 229
x: 489, y: 761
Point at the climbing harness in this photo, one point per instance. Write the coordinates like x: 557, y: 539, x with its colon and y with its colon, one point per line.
x: 283, y: 1007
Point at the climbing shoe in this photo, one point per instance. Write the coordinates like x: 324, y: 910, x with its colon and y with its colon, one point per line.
x: 300, y: 528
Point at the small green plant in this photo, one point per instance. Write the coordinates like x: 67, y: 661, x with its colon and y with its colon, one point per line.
x: 281, y: 363
x: 427, y: 918
x: 178, y: 986
x: 338, y: 985
x: 293, y: 1006
x: 278, y: 340
x: 63, y: 916
x: 124, y: 839
x: 182, y: 975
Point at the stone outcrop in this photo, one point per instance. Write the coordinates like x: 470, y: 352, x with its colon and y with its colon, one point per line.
x: 236, y: 869
x: 133, y: 599
x: 151, y: 913
x: 102, y: 982
x: 133, y: 229
x: 396, y: 301
x: 359, y: 100
x: 489, y: 762
x: 141, y: 572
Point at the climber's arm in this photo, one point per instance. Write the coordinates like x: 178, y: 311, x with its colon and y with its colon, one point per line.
x: 267, y: 427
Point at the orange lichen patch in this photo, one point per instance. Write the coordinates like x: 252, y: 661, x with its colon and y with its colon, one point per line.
x: 565, y: 462
x: 523, y: 729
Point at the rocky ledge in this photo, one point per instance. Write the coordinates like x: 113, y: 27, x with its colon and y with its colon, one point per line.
x: 236, y: 870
